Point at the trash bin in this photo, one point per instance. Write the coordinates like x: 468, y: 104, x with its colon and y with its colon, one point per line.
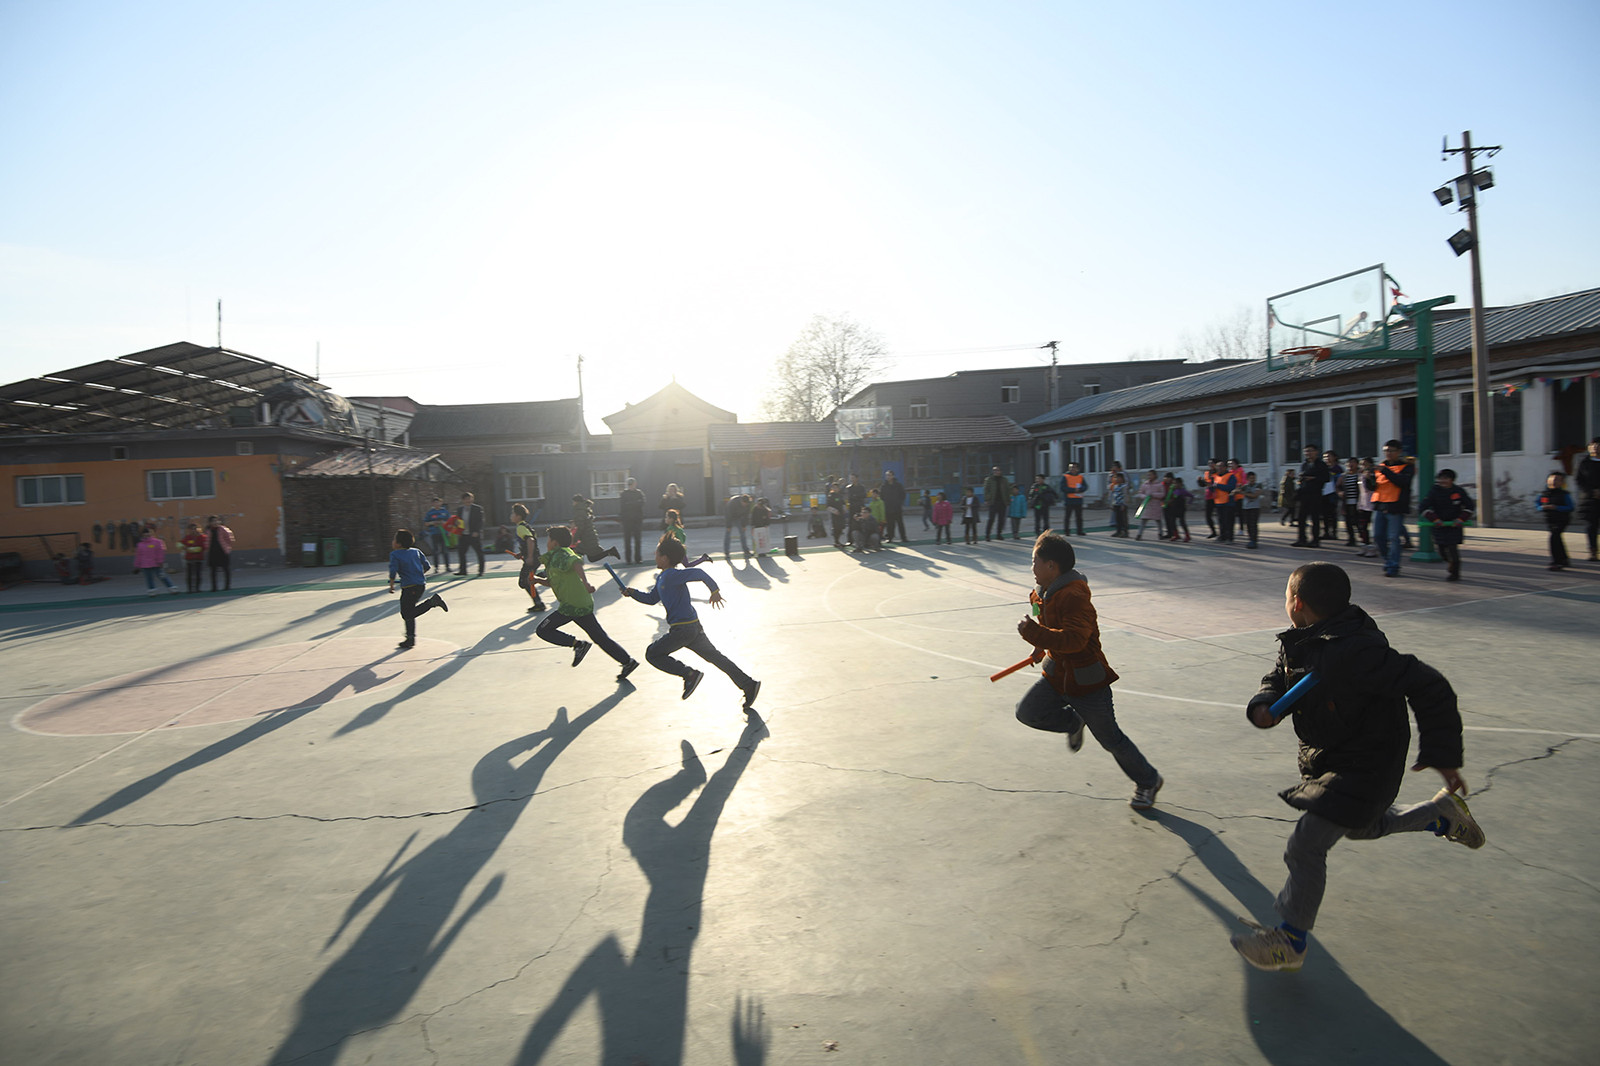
x: 332, y: 551
x: 308, y: 553
x: 791, y: 547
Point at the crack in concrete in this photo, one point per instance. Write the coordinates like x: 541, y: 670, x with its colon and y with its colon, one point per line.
x: 1549, y: 752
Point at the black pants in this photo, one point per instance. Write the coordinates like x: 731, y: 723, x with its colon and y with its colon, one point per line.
x: 1224, y: 514
x: 1558, y: 550
x: 1250, y: 519
x: 193, y: 569
x: 1211, y: 514
x: 894, y: 524
x: 1074, y: 510
x: 1591, y: 527
x: 692, y: 635
x: 633, y: 540
x: 550, y: 630
x: 1176, y: 515
x: 1119, y: 518
x: 473, y: 541
x: 969, y: 530
x: 1041, y: 520
x: 410, y: 608
x: 838, y: 530
x: 1353, y: 525
x: 220, y: 560
x: 1330, y: 516
x: 941, y: 533
x: 1448, y: 541
x: 1309, y: 512
x: 997, y: 521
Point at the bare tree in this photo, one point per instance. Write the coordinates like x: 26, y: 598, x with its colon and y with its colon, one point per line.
x: 1241, y: 335
x: 830, y: 360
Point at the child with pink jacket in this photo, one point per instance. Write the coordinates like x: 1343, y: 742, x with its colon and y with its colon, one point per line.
x: 150, y: 555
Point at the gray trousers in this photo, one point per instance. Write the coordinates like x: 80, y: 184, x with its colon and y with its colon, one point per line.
x: 1307, y: 856
x: 1045, y: 708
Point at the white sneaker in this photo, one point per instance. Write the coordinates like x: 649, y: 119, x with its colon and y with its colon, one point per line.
x: 1458, y: 824
x: 1268, y: 949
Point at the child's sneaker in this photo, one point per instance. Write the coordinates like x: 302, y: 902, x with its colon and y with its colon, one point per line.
x: 1145, y: 798
x: 750, y: 695
x: 579, y: 650
x: 406, y: 644
x: 1456, y: 822
x: 1268, y: 949
x: 1075, y: 743
x: 438, y: 601
x: 627, y: 668
x: 690, y: 682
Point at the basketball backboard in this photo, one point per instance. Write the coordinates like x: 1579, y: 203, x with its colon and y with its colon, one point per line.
x: 863, y: 423
x: 1345, y: 316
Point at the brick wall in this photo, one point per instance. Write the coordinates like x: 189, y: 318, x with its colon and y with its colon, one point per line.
x: 363, y: 512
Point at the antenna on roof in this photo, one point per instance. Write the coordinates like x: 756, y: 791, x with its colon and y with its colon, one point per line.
x: 317, y: 372
x: 219, y: 323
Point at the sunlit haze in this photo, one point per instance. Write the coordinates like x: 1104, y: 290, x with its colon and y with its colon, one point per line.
x: 456, y: 201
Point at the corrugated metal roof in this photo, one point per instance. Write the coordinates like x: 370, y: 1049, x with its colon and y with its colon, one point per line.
x: 172, y: 387
x: 1572, y: 314
x: 385, y: 461
x: 549, y: 420
x: 912, y: 433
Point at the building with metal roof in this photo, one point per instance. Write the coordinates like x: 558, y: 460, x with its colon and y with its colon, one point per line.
x: 1545, y: 366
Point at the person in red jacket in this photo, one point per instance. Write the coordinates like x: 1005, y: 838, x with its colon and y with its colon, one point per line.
x: 194, y: 555
x: 1074, y: 690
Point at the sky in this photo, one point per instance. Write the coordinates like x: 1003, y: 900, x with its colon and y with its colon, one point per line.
x: 456, y: 202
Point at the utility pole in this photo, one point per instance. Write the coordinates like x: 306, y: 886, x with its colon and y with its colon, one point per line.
x: 583, y: 444
x: 1052, y: 345
x: 1482, y: 403
x: 219, y: 323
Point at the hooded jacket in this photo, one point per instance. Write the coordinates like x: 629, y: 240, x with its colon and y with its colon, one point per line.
x: 1353, y: 729
x: 1068, y: 632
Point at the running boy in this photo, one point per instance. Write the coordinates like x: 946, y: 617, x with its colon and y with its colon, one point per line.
x: 1555, y: 503
x: 1353, y: 742
x: 408, y: 564
x: 1075, y: 687
x: 563, y: 570
x: 671, y: 590
x: 529, y: 554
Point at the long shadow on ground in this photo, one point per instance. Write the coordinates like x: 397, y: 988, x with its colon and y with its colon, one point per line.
x: 1310, y: 1018
x: 370, y: 984
x: 644, y: 999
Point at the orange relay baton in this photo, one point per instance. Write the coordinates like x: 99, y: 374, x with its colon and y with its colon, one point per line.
x: 1013, y: 668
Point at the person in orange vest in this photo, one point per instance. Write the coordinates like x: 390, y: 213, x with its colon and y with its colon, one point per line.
x: 1220, y: 499
x: 1203, y: 487
x: 1391, y: 499
x: 1073, y: 485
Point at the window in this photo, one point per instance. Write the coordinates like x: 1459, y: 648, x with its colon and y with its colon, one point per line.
x: 1141, y: 449
x: 1091, y: 388
x: 1010, y: 393
x: 1507, y: 413
x: 1293, y: 436
x: 48, y: 490
x: 526, y: 487
x: 1367, y: 430
x: 1342, y: 440
x: 1241, y: 441
x: 180, y: 484
x: 119, y: 452
x: 244, y: 447
x: 1441, y: 425
x: 1169, y: 447
x: 1258, y: 440
x: 919, y: 407
x: 607, y: 484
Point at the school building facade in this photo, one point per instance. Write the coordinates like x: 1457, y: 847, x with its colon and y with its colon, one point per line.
x: 1545, y: 392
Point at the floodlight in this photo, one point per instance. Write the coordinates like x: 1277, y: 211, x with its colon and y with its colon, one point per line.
x: 1483, y: 179
x: 1444, y: 196
x: 1462, y: 242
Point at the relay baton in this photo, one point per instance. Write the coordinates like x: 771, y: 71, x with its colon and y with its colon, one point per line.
x: 1013, y: 668
x: 1290, y: 698
x: 614, y: 577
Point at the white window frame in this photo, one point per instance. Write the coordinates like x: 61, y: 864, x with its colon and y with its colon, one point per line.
x: 64, y: 484
x: 194, y: 484
x: 607, y: 484
x: 1010, y: 393
x: 526, y: 477
x: 919, y: 408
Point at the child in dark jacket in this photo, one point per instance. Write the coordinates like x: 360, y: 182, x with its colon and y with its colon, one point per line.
x: 1354, y: 737
x: 1448, y: 507
x: 410, y: 567
x: 1555, y: 503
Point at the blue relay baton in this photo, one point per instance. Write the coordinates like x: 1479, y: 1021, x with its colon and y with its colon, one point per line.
x: 1284, y: 702
x: 614, y: 576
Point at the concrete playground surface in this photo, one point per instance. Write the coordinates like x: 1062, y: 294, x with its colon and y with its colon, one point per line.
x: 245, y: 828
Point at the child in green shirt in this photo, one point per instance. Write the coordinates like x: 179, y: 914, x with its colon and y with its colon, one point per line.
x: 563, y: 569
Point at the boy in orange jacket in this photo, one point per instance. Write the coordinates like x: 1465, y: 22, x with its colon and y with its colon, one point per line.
x: 1075, y: 688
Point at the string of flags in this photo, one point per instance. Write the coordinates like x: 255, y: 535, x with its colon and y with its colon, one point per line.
x: 1511, y: 388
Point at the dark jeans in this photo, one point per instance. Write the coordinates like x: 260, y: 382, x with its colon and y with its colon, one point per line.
x: 1250, y: 518
x: 1309, y: 512
x: 410, y: 608
x: 894, y: 524
x: 1225, y: 514
x: 1074, y: 510
x: 838, y: 529
x: 224, y: 562
x: 1119, y: 518
x: 1354, y: 524
x: 969, y: 530
x: 997, y: 521
x: 692, y: 635
x: 1558, y: 524
x: 942, y: 532
x: 1041, y: 520
x: 438, y: 554
x: 1176, y: 515
x: 193, y: 569
x: 465, y: 541
x: 1045, y: 708
x: 1330, y: 516
x: 1016, y: 527
x: 1306, y: 855
x: 633, y: 540
x: 550, y: 630
x: 1448, y: 540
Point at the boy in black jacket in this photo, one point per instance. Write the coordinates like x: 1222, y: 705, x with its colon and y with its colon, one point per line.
x: 1353, y: 742
x: 1448, y: 507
